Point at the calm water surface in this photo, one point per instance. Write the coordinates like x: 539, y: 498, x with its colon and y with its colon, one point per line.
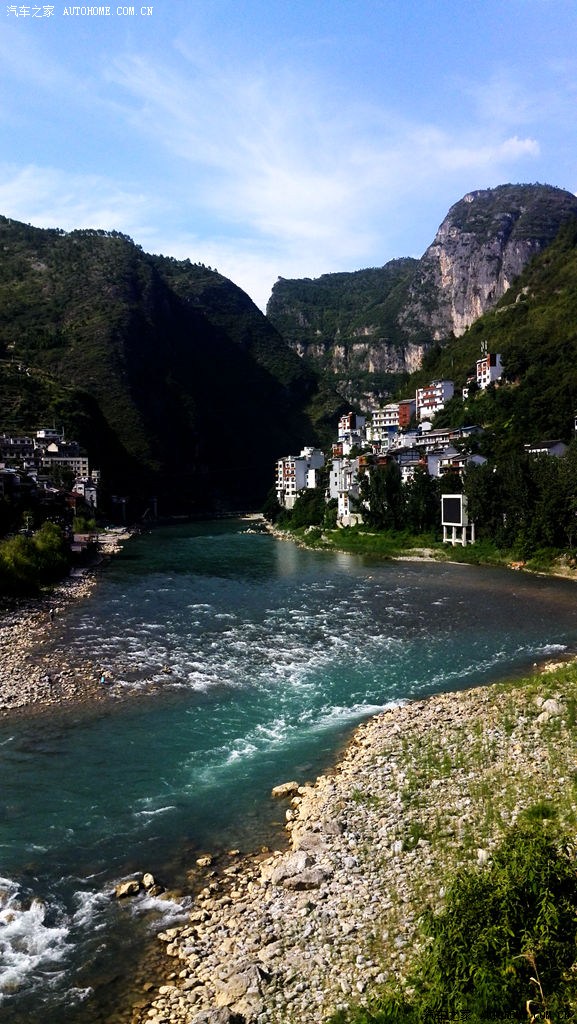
x: 266, y: 656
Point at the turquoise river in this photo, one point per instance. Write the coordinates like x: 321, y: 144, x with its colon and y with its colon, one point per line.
x: 242, y: 661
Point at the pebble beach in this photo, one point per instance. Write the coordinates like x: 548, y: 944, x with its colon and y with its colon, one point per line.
x: 30, y: 680
x: 422, y: 790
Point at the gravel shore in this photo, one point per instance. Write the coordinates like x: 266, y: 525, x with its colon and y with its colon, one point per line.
x: 422, y: 789
x: 30, y: 679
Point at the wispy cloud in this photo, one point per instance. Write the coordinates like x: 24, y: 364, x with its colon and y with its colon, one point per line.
x: 282, y: 160
x: 51, y: 197
x: 260, y: 171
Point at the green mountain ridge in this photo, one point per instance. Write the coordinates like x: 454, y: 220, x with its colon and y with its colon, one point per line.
x: 180, y: 388
x: 164, y: 370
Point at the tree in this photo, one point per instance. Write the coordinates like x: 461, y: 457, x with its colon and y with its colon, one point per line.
x: 503, y: 927
x: 568, y: 485
x: 51, y: 552
x: 483, y: 490
x: 271, y: 509
x: 503, y: 946
x: 309, y: 508
x: 382, y: 496
x: 422, y: 502
x: 28, y: 562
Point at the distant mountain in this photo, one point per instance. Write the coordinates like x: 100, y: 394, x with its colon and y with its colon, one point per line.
x: 483, y: 244
x: 171, y: 377
x: 534, y: 327
x: 348, y: 325
x: 361, y: 326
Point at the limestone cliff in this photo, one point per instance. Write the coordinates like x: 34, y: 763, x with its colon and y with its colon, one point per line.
x: 483, y: 244
x: 382, y: 320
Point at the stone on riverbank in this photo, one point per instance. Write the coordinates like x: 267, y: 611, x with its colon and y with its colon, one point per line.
x: 129, y: 888
x: 422, y: 790
x: 286, y: 789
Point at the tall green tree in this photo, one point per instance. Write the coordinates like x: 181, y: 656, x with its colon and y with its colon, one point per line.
x: 381, y: 491
x: 422, y: 509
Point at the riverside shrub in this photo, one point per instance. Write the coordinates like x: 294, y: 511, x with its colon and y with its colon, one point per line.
x: 28, y: 562
x: 504, y: 946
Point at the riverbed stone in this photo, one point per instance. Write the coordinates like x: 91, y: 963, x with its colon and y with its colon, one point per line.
x: 284, y: 790
x: 129, y: 888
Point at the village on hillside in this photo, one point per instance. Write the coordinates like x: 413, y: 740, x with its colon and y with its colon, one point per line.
x: 51, y: 478
x: 400, y: 432
x: 45, y: 464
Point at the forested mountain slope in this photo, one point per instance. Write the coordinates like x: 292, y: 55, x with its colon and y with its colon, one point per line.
x: 534, y: 327
x: 166, y: 371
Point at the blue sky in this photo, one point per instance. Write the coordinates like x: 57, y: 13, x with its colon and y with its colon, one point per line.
x: 287, y: 138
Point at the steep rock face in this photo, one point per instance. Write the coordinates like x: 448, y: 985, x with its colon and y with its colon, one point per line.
x: 348, y: 323
x: 484, y: 243
x: 382, y: 321
x: 366, y: 356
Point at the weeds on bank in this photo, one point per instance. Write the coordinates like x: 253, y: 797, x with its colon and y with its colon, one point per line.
x: 503, y: 947
x: 510, y: 956
x: 359, y: 541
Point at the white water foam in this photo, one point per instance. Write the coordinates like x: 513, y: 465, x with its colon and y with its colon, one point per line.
x: 551, y: 649
x: 89, y: 914
x: 35, y: 952
x: 27, y: 943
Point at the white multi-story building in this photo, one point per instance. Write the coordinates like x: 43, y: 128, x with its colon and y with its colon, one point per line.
x: 431, y: 439
x: 392, y: 417
x: 88, y: 489
x: 409, y: 460
x: 432, y: 398
x: 489, y: 369
x: 48, y: 435
x: 344, y: 486
x: 68, y: 456
x: 384, y: 420
x: 450, y: 461
x: 352, y: 431
x: 295, y: 472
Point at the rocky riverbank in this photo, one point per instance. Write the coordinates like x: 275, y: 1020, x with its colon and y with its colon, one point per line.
x: 30, y: 678
x: 422, y: 789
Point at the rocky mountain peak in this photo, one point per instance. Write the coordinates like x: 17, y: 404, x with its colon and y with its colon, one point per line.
x: 483, y: 244
x: 381, y: 321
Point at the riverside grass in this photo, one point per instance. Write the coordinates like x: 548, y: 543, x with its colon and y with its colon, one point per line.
x: 503, y: 948
x: 503, y: 945
x: 357, y: 540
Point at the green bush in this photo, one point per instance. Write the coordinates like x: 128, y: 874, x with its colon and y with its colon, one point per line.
x: 26, y: 563
x: 309, y: 508
x: 504, y: 946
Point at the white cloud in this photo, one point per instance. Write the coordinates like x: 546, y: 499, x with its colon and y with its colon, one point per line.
x: 51, y: 197
x: 492, y: 156
x: 301, y: 171
x: 262, y: 173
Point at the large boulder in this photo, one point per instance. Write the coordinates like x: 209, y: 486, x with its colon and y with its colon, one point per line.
x: 285, y: 789
x: 294, y: 871
x: 129, y: 888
